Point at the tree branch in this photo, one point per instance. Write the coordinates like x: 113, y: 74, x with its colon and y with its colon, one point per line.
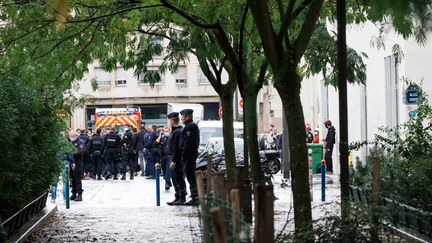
x: 301, y: 7
x: 187, y: 16
x: 259, y: 10
x: 242, y: 28
x: 286, y: 21
x: 307, y: 29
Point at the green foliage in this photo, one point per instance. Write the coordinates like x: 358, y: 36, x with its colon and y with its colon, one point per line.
x: 406, y: 160
x: 28, y: 145
x: 333, y: 228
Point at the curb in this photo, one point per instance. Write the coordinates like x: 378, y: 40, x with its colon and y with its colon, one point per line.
x: 47, y: 212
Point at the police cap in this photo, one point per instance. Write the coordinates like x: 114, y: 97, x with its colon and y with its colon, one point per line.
x: 173, y: 115
x: 186, y: 112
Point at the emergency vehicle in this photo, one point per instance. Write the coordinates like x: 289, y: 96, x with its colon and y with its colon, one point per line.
x: 118, y: 117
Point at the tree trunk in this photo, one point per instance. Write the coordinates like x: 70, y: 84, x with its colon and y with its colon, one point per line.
x: 290, y: 96
x: 228, y: 133
x: 250, y: 103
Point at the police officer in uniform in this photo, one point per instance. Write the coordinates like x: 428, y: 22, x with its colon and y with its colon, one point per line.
x: 76, y: 168
x: 95, y: 149
x: 189, y: 142
x: 176, y: 165
x: 151, y: 151
x: 126, y: 153
x: 112, y: 149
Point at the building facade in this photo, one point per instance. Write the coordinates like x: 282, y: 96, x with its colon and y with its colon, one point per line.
x: 121, y: 88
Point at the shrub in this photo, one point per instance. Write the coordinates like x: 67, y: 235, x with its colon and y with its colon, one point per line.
x: 29, y: 143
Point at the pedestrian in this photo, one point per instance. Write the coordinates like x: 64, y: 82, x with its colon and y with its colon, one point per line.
x: 330, y: 140
x: 126, y: 153
x: 111, y: 152
x: 165, y: 157
x: 86, y: 158
x: 95, y: 149
x: 76, y: 166
x: 309, y: 135
x: 139, y: 146
x: 189, y: 142
x: 176, y: 164
x: 135, y: 152
x: 151, y: 151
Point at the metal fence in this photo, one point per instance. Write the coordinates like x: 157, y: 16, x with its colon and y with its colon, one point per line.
x: 17, y: 220
x: 400, y: 214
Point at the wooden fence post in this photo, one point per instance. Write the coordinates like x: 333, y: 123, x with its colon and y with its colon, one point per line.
x: 204, y: 211
x: 235, y: 208
x: 219, y: 225
x: 218, y: 183
x: 264, y: 209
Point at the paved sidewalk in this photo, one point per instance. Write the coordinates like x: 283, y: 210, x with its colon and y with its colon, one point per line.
x: 125, y: 211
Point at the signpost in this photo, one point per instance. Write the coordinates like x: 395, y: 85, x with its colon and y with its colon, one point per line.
x: 412, y: 97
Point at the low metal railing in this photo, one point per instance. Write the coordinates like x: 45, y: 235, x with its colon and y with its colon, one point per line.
x: 400, y: 214
x: 13, y: 223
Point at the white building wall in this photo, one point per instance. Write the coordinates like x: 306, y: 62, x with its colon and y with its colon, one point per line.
x: 415, y: 65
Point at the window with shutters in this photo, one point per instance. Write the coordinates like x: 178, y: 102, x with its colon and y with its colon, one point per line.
x: 180, y: 75
x: 202, y: 79
x: 120, y: 77
x: 103, y: 78
x: 151, y: 74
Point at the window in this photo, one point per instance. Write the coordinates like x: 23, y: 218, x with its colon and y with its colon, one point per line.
x: 120, y: 77
x: 156, y: 40
x: 151, y: 75
x: 180, y: 76
x: 202, y: 79
x: 392, y: 91
x: 103, y: 78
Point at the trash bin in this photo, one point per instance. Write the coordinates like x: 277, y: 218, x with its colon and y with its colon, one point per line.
x: 317, y: 156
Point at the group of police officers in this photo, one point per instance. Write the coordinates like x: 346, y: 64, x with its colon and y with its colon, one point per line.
x: 178, y: 156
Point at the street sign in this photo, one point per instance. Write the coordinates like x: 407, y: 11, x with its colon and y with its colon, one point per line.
x: 412, y: 94
x: 412, y: 113
x: 241, y: 103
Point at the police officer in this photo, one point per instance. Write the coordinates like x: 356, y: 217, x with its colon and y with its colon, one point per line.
x: 176, y: 165
x: 189, y: 142
x: 126, y: 153
x: 152, y: 151
x: 165, y: 157
x: 95, y: 149
x: 111, y: 151
x: 76, y: 168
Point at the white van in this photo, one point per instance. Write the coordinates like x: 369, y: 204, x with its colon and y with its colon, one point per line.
x: 211, y: 129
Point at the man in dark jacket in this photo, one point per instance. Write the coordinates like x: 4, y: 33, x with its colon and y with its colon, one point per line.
x: 126, y: 153
x: 139, y: 146
x: 95, y: 148
x: 151, y: 152
x: 76, y: 168
x: 176, y: 165
x: 329, y: 143
x: 189, y: 142
x: 111, y: 152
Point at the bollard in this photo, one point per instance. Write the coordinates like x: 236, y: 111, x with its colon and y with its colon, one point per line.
x: 66, y: 185
x: 310, y: 174
x: 323, y: 179
x: 157, y: 168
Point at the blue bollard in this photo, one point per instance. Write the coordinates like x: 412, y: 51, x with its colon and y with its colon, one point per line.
x: 66, y: 185
x: 323, y: 179
x: 157, y: 169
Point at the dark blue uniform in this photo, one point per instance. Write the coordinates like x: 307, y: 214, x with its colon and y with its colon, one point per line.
x: 77, y: 172
x: 111, y: 152
x: 165, y: 160
x: 95, y: 148
x: 189, y: 142
x: 175, y: 152
x: 126, y: 154
x: 152, y: 153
